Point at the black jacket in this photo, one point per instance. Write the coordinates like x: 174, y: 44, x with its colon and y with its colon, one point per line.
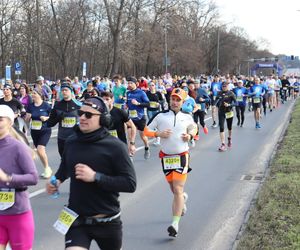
x: 64, y: 113
x: 104, y: 154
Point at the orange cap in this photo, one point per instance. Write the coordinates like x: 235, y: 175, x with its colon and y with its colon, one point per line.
x: 179, y: 93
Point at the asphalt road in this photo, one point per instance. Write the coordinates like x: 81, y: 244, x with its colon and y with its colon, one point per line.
x: 219, y: 197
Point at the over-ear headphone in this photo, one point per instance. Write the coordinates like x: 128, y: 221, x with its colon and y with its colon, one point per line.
x: 105, y: 117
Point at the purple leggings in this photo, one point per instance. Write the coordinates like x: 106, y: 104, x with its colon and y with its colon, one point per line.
x: 18, y: 230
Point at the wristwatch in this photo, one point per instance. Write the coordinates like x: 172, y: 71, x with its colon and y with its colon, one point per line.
x: 98, y: 177
x: 132, y: 143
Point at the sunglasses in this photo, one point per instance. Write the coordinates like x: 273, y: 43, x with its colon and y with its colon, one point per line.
x: 88, y: 115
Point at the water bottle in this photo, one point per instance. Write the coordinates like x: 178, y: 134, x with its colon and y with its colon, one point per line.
x: 53, y: 181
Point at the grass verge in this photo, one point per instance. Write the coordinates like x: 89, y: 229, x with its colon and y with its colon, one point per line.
x: 274, y: 221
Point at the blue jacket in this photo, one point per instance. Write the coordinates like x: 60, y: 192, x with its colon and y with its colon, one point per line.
x: 136, y: 112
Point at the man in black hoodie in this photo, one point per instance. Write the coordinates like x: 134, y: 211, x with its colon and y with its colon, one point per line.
x: 64, y: 113
x: 99, y: 167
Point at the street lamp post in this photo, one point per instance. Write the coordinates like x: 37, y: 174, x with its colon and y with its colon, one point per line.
x: 218, y: 49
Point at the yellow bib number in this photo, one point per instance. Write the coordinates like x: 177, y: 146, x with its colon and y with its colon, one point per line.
x: 7, y: 198
x: 114, y: 133
x: 229, y: 114
x: 154, y: 104
x: 68, y: 122
x: 256, y: 100
x: 118, y: 105
x: 36, y: 125
x: 172, y: 162
x: 65, y: 220
x: 239, y: 98
x: 133, y: 113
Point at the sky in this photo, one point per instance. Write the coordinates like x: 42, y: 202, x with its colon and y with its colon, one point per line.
x: 276, y: 21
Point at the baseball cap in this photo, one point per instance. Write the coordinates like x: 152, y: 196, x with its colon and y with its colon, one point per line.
x: 95, y: 103
x: 131, y: 79
x: 40, y: 78
x: 65, y: 85
x: 179, y: 93
x: 6, y: 111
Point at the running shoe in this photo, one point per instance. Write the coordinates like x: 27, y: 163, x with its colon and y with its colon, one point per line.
x: 229, y: 144
x: 173, y: 230
x: 214, y: 125
x: 147, y: 154
x: 205, y: 130
x: 222, y: 148
x: 258, y: 125
x: 47, y: 173
x: 196, y: 137
x: 238, y: 123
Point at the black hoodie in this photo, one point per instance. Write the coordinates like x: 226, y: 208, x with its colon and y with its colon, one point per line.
x: 104, y: 154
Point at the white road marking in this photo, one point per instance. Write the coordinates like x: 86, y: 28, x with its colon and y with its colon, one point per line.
x: 40, y: 191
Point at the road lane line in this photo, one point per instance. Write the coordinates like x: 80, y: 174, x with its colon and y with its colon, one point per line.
x: 40, y: 191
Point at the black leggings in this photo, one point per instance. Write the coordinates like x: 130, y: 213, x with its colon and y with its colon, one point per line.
x: 199, y: 116
x: 222, y: 119
x: 240, y: 113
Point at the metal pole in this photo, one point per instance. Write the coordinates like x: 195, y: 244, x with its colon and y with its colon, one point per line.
x: 166, y: 46
x: 218, y: 49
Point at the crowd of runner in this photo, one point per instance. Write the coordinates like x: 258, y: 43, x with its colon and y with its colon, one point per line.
x: 170, y: 109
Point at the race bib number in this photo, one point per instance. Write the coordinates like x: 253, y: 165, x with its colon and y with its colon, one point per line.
x: 199, y: 106
x: 133, y: 113
x: 256, y: 100
x: 239, y: 98
x: 7, y: 198
x: 118, y: 105
x: 65, y: 220
x: 114, y: 133
x: 285, y: 88
x: 214, y: 98
x: 36, y: 125
x: 68, y: 122
x: 172, y: 162
x: 229, y: 114
x: 154, y: 104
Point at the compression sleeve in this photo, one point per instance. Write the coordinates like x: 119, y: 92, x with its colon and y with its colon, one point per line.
x: 149, y: 133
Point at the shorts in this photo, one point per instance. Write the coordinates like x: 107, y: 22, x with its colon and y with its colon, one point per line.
x: 18, y: 230
x: 212, y: 101
x: 179, y: 174
x: 40, y: 137
x: 107, y: 235
x: 140, y: 124
x: 256, y: 106
x: 175, y: 176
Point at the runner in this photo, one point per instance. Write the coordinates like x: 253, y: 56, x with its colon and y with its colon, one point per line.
x: 202, y: 100
x: 16, y: 173
x: 241, y: 97
x: 38, y: 112
x: 119, y: 92
x: 214, y: 89
x: 119, y: 119
x: 64, y: 112
x: 256, y: 92
x: 137, y: 100
x: 225, y: 101
x: 175, y: 129
x: 99, y: 168
x: 13, y: 103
